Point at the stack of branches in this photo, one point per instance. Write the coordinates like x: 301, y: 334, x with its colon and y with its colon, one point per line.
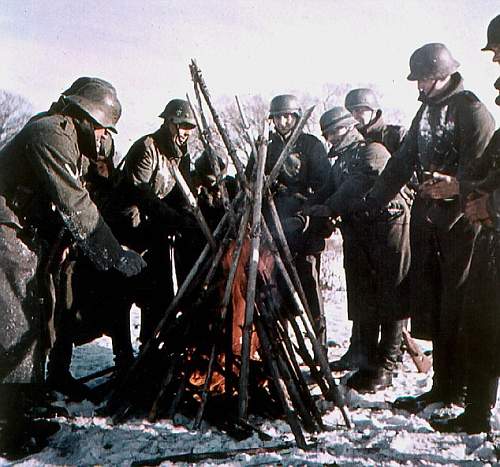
x: 231, y: 342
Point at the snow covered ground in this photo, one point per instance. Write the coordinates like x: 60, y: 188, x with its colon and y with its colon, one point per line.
x: 381, y: 436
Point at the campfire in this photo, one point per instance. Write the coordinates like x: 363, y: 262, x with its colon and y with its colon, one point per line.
x: 232, y: 341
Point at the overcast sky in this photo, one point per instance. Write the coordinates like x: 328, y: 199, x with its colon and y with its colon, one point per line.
x: 263, y: 47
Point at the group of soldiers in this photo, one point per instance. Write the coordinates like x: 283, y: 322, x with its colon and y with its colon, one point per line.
x: 82, y: 240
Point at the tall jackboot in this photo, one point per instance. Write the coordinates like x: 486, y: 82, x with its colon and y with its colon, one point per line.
x: 366, y: 379
x: 59, y: 377
x: 20, y: 433
x: 351, y: 359
x: 389, y: 347
x: 481, y: 397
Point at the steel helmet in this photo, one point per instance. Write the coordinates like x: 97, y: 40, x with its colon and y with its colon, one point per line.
x: 362, y: 97
x: 336, y: 117
x: 82, y: 81
x: 432, y: 61
x: 493, y: 34
x: 99, y: 102
x: 178, y: 111
x: 284, y: 104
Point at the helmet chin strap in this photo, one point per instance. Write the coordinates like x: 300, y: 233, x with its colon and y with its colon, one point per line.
x: 428, y: 93
x: 338, y: 144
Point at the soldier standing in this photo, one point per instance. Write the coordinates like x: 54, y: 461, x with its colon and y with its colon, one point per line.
x: 482, y: 206
x: 364, y: 106
x: 41, y: 197
x: 376, y: 253
x: 493, y: 39
x: 147, y: 218
x: 303, y: 173
x: 450, y: 130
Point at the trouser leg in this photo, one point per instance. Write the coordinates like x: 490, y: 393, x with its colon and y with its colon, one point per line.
x: 389, y: 348
x: 449, y: 341
x: 308, y: 270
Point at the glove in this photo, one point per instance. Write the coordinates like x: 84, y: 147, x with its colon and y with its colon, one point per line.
x: 321, y: 226
x: 317, y: 210
x: 130, y: 263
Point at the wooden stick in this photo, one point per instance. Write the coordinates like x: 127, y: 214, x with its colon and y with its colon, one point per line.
x: 286, y: 150
x: 198, y: 78
x: 206, y: 140
x: 319, y: 350
x: 96, y: 374
x: 288, y: 258
x: 201, y: 456
x: 285, y: 366
x: 191, y: 201
x: 225, y: 303
x: 251, y: 281
x: 277, y: 381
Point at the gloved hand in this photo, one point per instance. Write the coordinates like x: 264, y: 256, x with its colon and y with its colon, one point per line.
x: 130, y: 263
x: 317, y: 210
x: 321, y: 226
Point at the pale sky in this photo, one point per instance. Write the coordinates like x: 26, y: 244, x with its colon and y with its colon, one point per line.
x: 243, y: 47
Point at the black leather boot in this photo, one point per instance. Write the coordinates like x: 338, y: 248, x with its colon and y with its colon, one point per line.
x: 370, y: 381
x: 469, y: 422
x: 20, y: 434
x: 415, y: 404
x: 351, y: 359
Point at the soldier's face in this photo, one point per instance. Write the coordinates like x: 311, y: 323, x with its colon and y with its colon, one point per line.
x: 100, y: 135
x: 363, y: 115
x: 182, y: 133
x: 432, y: 87
x: 335, y: 136
x: 285, y: 123
x: 496, y: 53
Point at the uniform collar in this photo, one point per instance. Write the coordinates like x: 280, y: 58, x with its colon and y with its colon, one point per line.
x: 352, y: 139
x: 374, y: 126
x: 455, y: 86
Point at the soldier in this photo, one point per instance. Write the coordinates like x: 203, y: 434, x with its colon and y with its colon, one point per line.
x: 303, y: 173
x: 41, y: 197
x: 450, y: 130
x: 148, y: 220
x: 79, y: 281
x: 376, y: 253
x: 493, y: 39
x: 482, y: 206
x: 364, y: 106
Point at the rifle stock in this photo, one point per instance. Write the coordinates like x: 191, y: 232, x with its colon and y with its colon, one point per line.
x: 422, y: 361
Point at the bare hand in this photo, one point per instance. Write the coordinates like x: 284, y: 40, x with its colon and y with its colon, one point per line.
x: 441, y: 186
x: 476, y: 210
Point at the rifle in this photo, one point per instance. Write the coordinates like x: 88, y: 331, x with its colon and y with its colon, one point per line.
x: 288, y: 147
x: 206, y: 140
x: 422, y: 361
x: 246, y: 127
x: 198, y: 79
x: 252, y: 277
x: 192, y: 203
